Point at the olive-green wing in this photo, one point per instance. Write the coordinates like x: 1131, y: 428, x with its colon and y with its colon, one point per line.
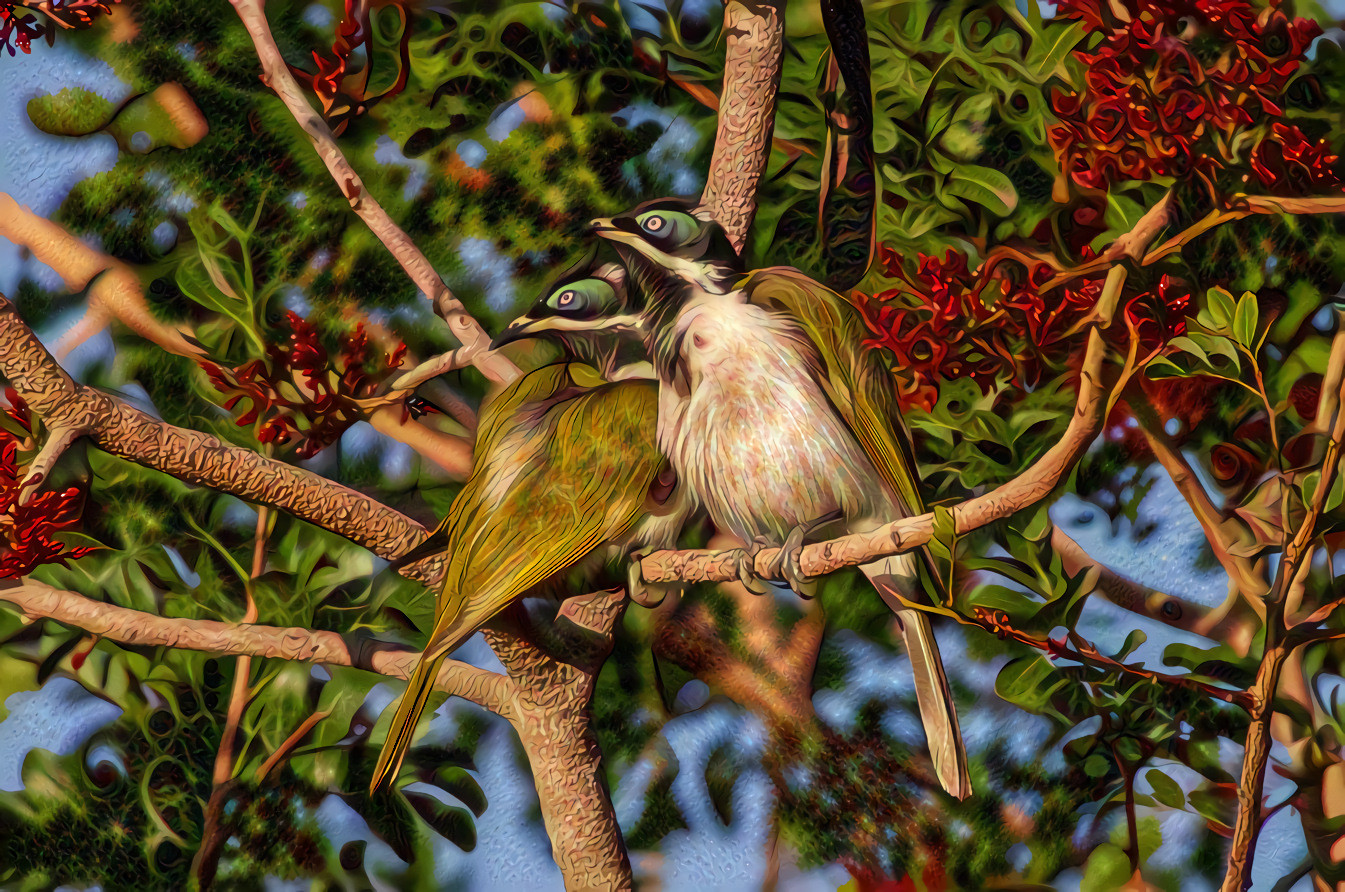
x: 854, y: 378
x: 564, y: 474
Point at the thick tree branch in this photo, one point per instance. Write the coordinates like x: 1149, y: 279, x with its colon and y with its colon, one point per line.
x: 756, y: 33
x: 276, y: 75
x: 134, y: 627
x: 198, y: 458
x: 1280, y: 642
x: 1240, y: 207
x: 554, y: 718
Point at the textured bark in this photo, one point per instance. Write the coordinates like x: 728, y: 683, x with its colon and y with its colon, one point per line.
x: 755, y: 46
x: 1251, y: 788
x: 134, y: 627
x: 276, y: 75
x: 194, y: 457
x: 554, y: 718
x: 1126, y: 592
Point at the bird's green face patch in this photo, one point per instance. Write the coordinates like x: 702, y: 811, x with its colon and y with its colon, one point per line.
x: 583, y: 299
x: 668, y: 228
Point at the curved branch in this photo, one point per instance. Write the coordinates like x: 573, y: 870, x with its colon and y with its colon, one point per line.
x: 1127, y: 593
x: 198, y: 458
x: 276, y: 75
x: 125, y: 626
x: 756, y: 39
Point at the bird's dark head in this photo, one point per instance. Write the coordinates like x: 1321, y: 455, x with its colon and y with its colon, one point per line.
x: 669, y: 244
x: 588, y: 303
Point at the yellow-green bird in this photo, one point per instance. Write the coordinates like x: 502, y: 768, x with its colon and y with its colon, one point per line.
x: 773, y: 415
x: 567, y: 477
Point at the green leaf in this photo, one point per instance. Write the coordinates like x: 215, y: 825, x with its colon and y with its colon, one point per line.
x: 1106, y: 870
x: 1122, y: 213
x: 452, y: 823
x: 1186, y: 345
x: 1166, y: 790
x: 1221, y: 309
x: 1132, y: 642
x: 1245, y: 320
x: 1161, y: 367
x: 1047, y: 54
x: 1096, y: 765
x: 987, y: 187
x: 1030, y: 682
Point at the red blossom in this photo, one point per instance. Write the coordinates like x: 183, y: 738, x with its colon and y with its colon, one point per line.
x: 946, y: 321
x: 301, y: 392
x: 20, y: 24
x: 28, y: 529
x: 1163, y: 79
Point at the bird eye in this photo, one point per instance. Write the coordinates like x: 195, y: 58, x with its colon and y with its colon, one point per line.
x: 587, y: 296
x: 670, y: 227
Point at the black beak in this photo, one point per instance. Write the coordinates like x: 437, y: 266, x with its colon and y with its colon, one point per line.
x: 516, y: 331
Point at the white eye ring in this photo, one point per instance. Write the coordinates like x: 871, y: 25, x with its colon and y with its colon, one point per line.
x: 566, y: 298
x: 654, y: 223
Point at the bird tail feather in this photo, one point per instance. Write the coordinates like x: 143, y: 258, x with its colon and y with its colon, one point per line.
x: 932, y: 692
x: 403, y: 727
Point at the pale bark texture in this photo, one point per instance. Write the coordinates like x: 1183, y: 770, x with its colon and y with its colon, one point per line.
x: 554, y: 717
x: 137, y: 628
x: 191, y: 456
x: 755, y: 46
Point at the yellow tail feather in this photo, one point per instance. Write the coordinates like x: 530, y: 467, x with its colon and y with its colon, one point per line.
x: 403, y: 727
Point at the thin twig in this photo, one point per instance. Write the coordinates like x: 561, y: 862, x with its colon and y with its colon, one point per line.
x: 276, y: 75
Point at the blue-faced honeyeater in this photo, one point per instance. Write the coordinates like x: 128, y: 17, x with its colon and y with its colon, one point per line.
x: 567, y: 476
x: 773, y: 415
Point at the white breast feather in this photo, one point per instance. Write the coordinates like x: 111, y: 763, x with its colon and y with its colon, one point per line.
x: 756, y: 440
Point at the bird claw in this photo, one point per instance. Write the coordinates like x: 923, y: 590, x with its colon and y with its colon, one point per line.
x: 788, y: 564
x: 747, y: 573
x: 641, y: 592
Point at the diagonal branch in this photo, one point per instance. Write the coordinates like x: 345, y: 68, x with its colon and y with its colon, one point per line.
x: 1126, y: 592
x: 197, y: 458
x: 125, y: 626
x: 114, y: 288
x: 1222, y: 533
x: 276, y: 75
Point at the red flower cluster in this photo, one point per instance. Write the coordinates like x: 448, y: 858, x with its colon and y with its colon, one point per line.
x: 1166, y: 76
x: 19, y: 27
x: 27, y: 530
x: 949, y: 322
x: 353, y: 31
x: 297, y: 391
